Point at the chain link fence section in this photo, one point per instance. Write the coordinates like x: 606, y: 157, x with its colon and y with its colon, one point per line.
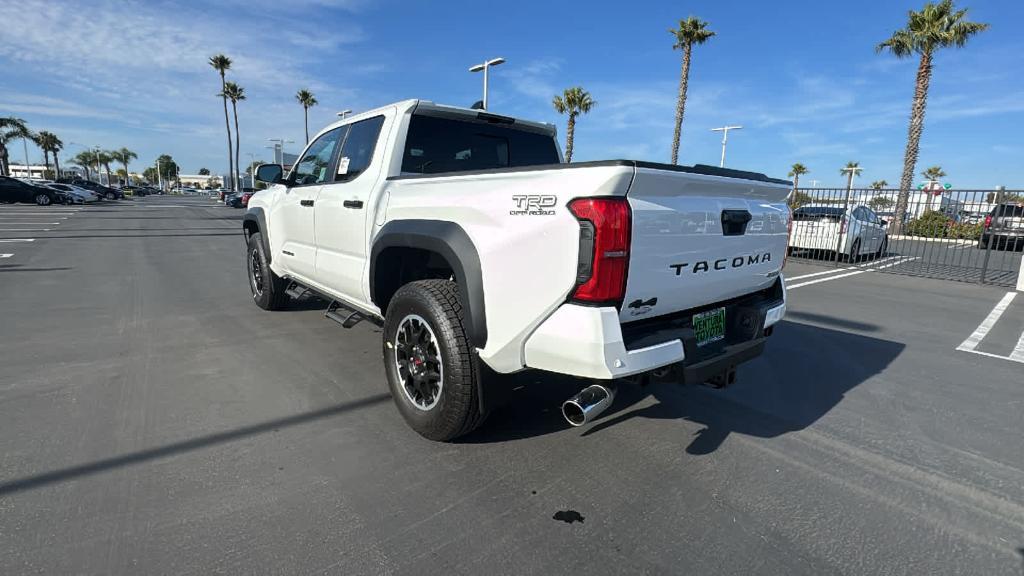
x: 961, y: 235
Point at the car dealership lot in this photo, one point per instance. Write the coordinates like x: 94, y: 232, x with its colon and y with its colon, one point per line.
x: 156, y: 421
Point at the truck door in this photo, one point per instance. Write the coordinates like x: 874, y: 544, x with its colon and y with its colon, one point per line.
x: 298, y: 245
x: 343, y: 211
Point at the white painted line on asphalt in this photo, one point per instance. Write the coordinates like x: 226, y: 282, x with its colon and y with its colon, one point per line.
x: 790, y: 278
x: 903, y: 260
x: 26, y: 223
x: 6, y: 255
x: 991, y: 355
x: 24, y: 229
x: 17, y: 239
x: 982, y: 330
x: 1018, y: 350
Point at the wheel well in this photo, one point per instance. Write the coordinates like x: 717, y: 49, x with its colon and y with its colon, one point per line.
x: 399, y: 265
x: 250, y: 227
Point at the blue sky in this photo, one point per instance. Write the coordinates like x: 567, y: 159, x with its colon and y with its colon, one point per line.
x: 801, y: 77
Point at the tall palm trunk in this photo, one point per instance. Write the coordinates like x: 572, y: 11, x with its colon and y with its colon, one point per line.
x: 227, y: 126
x: 570, y: 132
x: 796, y: 183
x: 106, y: 168
x: 924, y: 76
x: 4, y: 168
x: 238, y: 141
x: 127, y: 176
x: 305, y: 112
x: 684, y: 77
x: 46, y: 160
x: 56, y: 166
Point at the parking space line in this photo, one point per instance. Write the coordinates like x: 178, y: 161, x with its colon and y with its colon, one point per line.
x: 791, y: 278
x: 6, y: 255
x: 24, y: 230
x: 902, y: 260
x: 17, y: 239
x: 979, y: 333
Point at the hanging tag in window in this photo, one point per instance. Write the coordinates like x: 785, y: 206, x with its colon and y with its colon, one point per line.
x: 343, y: 166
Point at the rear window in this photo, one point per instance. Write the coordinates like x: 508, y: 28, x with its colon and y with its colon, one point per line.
x: 1008, y: 211
x: 435, y: 145
x: 815, y: 212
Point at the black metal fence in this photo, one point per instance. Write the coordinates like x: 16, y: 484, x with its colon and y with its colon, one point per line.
x: 963, y: 235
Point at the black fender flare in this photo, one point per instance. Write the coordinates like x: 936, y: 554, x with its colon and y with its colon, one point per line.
x: 450, y: 241
x: 256, y: 216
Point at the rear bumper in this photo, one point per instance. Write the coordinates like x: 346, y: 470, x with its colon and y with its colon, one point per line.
x: 588, y: 342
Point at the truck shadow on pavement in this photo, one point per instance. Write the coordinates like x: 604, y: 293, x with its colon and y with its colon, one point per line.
x: 804, y: 373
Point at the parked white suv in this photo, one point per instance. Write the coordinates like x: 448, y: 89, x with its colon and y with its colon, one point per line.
x: 465, y: 235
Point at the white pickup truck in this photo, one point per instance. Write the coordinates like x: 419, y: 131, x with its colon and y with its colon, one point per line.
x: 465, y: 234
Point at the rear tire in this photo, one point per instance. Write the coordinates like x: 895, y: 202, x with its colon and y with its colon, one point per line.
x: 111, y: 196
x: 43, y: 199
x: 854, y: 255
x: 268, y: 290
x: 883, y: 248
x: 431, y: 367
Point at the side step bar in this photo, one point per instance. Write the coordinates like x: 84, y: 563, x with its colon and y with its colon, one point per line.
x: 295, y: 291
x: 348, y: 320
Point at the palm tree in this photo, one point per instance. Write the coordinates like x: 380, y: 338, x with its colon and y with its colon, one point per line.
x: 936, y: 26
x: 306, y: 98
x: 796, y: 172
x: 691, y: 31
x: 934, y: 173
x: 234, y: 92
x: 10, y: 128
x: 222, y: 64
x: 852, y: 170
x: 125, y: 156
x: 573, y: 101
x: 104, y: 158
x: 879, y: 184
x: 84, y: 159
x: 48, y: 142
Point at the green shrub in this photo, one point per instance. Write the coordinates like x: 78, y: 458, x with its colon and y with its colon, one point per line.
x: 933, y: 224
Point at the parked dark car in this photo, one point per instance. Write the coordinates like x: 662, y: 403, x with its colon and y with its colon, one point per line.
x: 233, y: 200
x: 12, y: 190
x: 135, y: 190
x: 105, y: 191
x: 246, y: 194
x: 1004, y: 226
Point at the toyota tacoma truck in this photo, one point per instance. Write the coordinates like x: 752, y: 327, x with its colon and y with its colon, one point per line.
x: 465, y: 235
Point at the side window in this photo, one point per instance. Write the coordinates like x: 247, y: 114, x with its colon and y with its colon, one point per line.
x: 870, y: 216
x: 315, y: 163
x: 858, y: 213
x: 357, y: 152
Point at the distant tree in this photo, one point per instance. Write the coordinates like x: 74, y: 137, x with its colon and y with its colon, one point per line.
x: 798, y: 199
x: 851, y: 170
x: 125, y: 156
x: 85, y: 160
x: 48, y: 142
x: 879, y: 184
x: 796, y: 172
x: 934, y: 173
x: 222, y: 64
x: 204, y: 171
x: 572, y: 101
x: 880, y: 203
x: 168, y: 167
x: 306, y: 98
x: 936, y: 26
x: 691, y: 31
x: 104, y: 158
x: 11, y: 128
x: 236, y: 93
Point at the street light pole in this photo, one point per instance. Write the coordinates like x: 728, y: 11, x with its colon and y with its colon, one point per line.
x: 96, y: 152
x: 485, y: 67
x: 344, y: 113
x: 28, y: 171
x: 725, y: 139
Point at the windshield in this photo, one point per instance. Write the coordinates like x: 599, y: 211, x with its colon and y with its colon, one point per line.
x: 435, y: 145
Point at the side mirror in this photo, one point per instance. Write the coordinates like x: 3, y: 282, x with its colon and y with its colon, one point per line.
x: 269, y: 173
x: 884, y: 223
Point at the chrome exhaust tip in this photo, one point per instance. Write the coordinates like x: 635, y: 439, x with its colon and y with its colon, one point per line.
x: 588, y: 404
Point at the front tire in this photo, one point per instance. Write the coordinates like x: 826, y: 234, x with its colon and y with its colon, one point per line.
x: 268, y: 290
x: 111, y: 196
x: 854, y: 255
x: 430, y: 364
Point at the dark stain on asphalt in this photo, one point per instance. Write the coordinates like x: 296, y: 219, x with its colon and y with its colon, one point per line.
x: 568, y: 516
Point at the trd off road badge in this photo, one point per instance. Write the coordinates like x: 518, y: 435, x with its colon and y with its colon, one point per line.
x: 534, y: 205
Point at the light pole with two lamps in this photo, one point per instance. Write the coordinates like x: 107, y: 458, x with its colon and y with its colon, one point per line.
x: 485, y: 66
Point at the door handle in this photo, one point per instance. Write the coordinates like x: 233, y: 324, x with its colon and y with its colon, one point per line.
x: 352, y: 204
x: 306, y: 202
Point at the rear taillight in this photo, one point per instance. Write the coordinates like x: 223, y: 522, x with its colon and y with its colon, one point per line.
x: 988, y: 220
x: 789, y: 235
x: 842, y: 225
x: 604, y: 249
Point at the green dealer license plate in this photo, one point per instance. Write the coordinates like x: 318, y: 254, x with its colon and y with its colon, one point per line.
x: 709, y: 326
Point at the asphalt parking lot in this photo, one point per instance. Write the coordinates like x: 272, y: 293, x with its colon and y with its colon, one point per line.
x: 156, y: 421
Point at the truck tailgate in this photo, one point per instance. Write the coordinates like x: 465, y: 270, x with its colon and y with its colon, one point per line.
x: 699, y: 239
